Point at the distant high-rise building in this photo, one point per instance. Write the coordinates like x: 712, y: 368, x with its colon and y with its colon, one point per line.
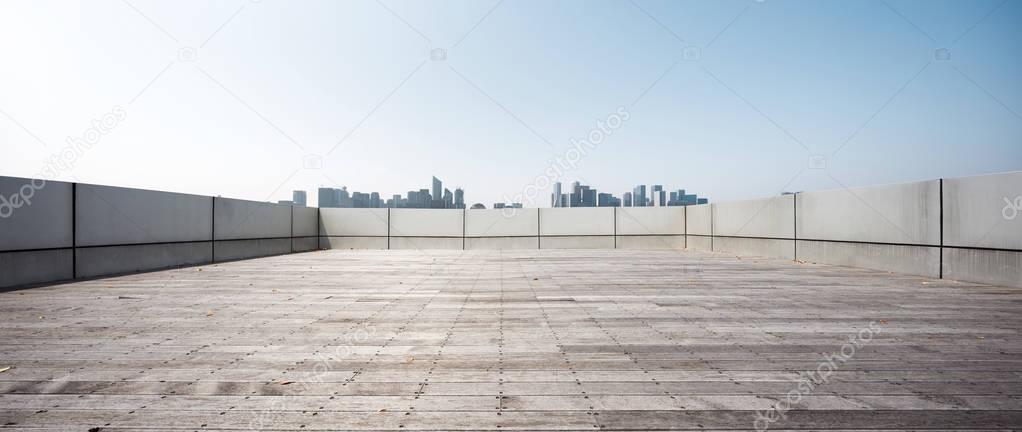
x: 298, y: 197
x: 374, y: 200
x: 639, y: 196
x: 555, y: 198
x: 394, y: 202
x: 459, y: 198
x: 343, y: 200
x: 448, y: 198
x: 328, y: 198
x: 498, y: 205
x: 627, y: 199
x: 438, y: 188
x: 702, y: 201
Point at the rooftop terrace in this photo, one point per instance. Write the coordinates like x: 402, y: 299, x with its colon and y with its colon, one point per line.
x: 511, y: 340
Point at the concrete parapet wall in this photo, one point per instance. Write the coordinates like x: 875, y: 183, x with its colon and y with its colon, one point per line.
x: 71, y: 230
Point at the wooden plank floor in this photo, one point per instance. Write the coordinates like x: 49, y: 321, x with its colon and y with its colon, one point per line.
x: 511, y: 340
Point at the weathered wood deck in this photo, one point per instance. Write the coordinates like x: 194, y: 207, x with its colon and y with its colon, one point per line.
x: 524, y: 340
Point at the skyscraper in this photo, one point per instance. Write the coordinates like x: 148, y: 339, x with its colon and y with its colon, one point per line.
x: 459, y: 198
x: 555, y: 198
x: 328, y: 198
x: 374, y: 200
x: 639, y: 196
x: 298, y: 197
x: 448, y: 198
x: 438, y: 188
x: 627, y: 199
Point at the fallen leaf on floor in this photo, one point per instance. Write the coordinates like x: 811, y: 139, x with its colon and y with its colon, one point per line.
x: 535, y: 278
x: 209, y: 313
x: 382, y: 410
x: 883, y: 321
x: 199, y: 269
x: 410, y: 359
x: 285, y: 382
x: 5, y: 369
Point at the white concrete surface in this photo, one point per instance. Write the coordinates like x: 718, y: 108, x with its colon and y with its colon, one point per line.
x: 994, y: 267
x: 240, y: 219
x: 43, y: 222
x: 353, y: 243
x: 699, y: 219
x: 914, y: 260
x: 773, y: 248
x: 352, y: 222
x: 113, y: 216
x: 981, y: 211
x: 650, y: 220
x: 22, y: 268
x: 502, y: 223
x: 304, y: 221
x: 907, y: 213
x: 427, y: 223
x: 767, y: 217
x: 576, y: 221
x: 110, y: 260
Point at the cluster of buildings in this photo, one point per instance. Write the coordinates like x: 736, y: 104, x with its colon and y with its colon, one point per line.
x: 437, y: 197
x: 585, y: 196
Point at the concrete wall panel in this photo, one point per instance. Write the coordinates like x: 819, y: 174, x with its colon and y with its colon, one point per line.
x: 353, y: 222
x: 916, y: 260
x: 23, y: 268
x: 502, y: 223
x: 502, y: 242
x: 906, y: 213
x: 227, y: 250
x: 240, y: 219
x: 113, y: 216
x: 111, y: 260
x: 650, y: 220
x: 699, y: 219
x: 767, y: 217
x: 676, y: 242
x: 993, y: 267
x: 304, y: 221
x: 773, y: 248
x: 42, y: 222
x: 577, y: 221
x: 426, y: 243
x: 577, y: 242
x: 353, y: 243
x: 304, y: 244
x: 699, y: 243
x: 981, y: 211
x: 427, y: 223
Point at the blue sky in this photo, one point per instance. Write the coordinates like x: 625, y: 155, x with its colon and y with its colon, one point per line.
x: 729, y: 99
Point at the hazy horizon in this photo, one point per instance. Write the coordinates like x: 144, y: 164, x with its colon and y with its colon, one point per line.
x: 726, y: 99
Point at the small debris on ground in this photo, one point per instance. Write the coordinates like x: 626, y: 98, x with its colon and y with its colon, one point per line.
x: 5, y: 369
x: 209, y: 313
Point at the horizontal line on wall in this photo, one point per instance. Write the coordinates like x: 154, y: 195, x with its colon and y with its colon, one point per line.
x: 356, y: 236
x: 752, y: 237
x: 990, y: 249
x: 37, y: 249
x: 258, y: 238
